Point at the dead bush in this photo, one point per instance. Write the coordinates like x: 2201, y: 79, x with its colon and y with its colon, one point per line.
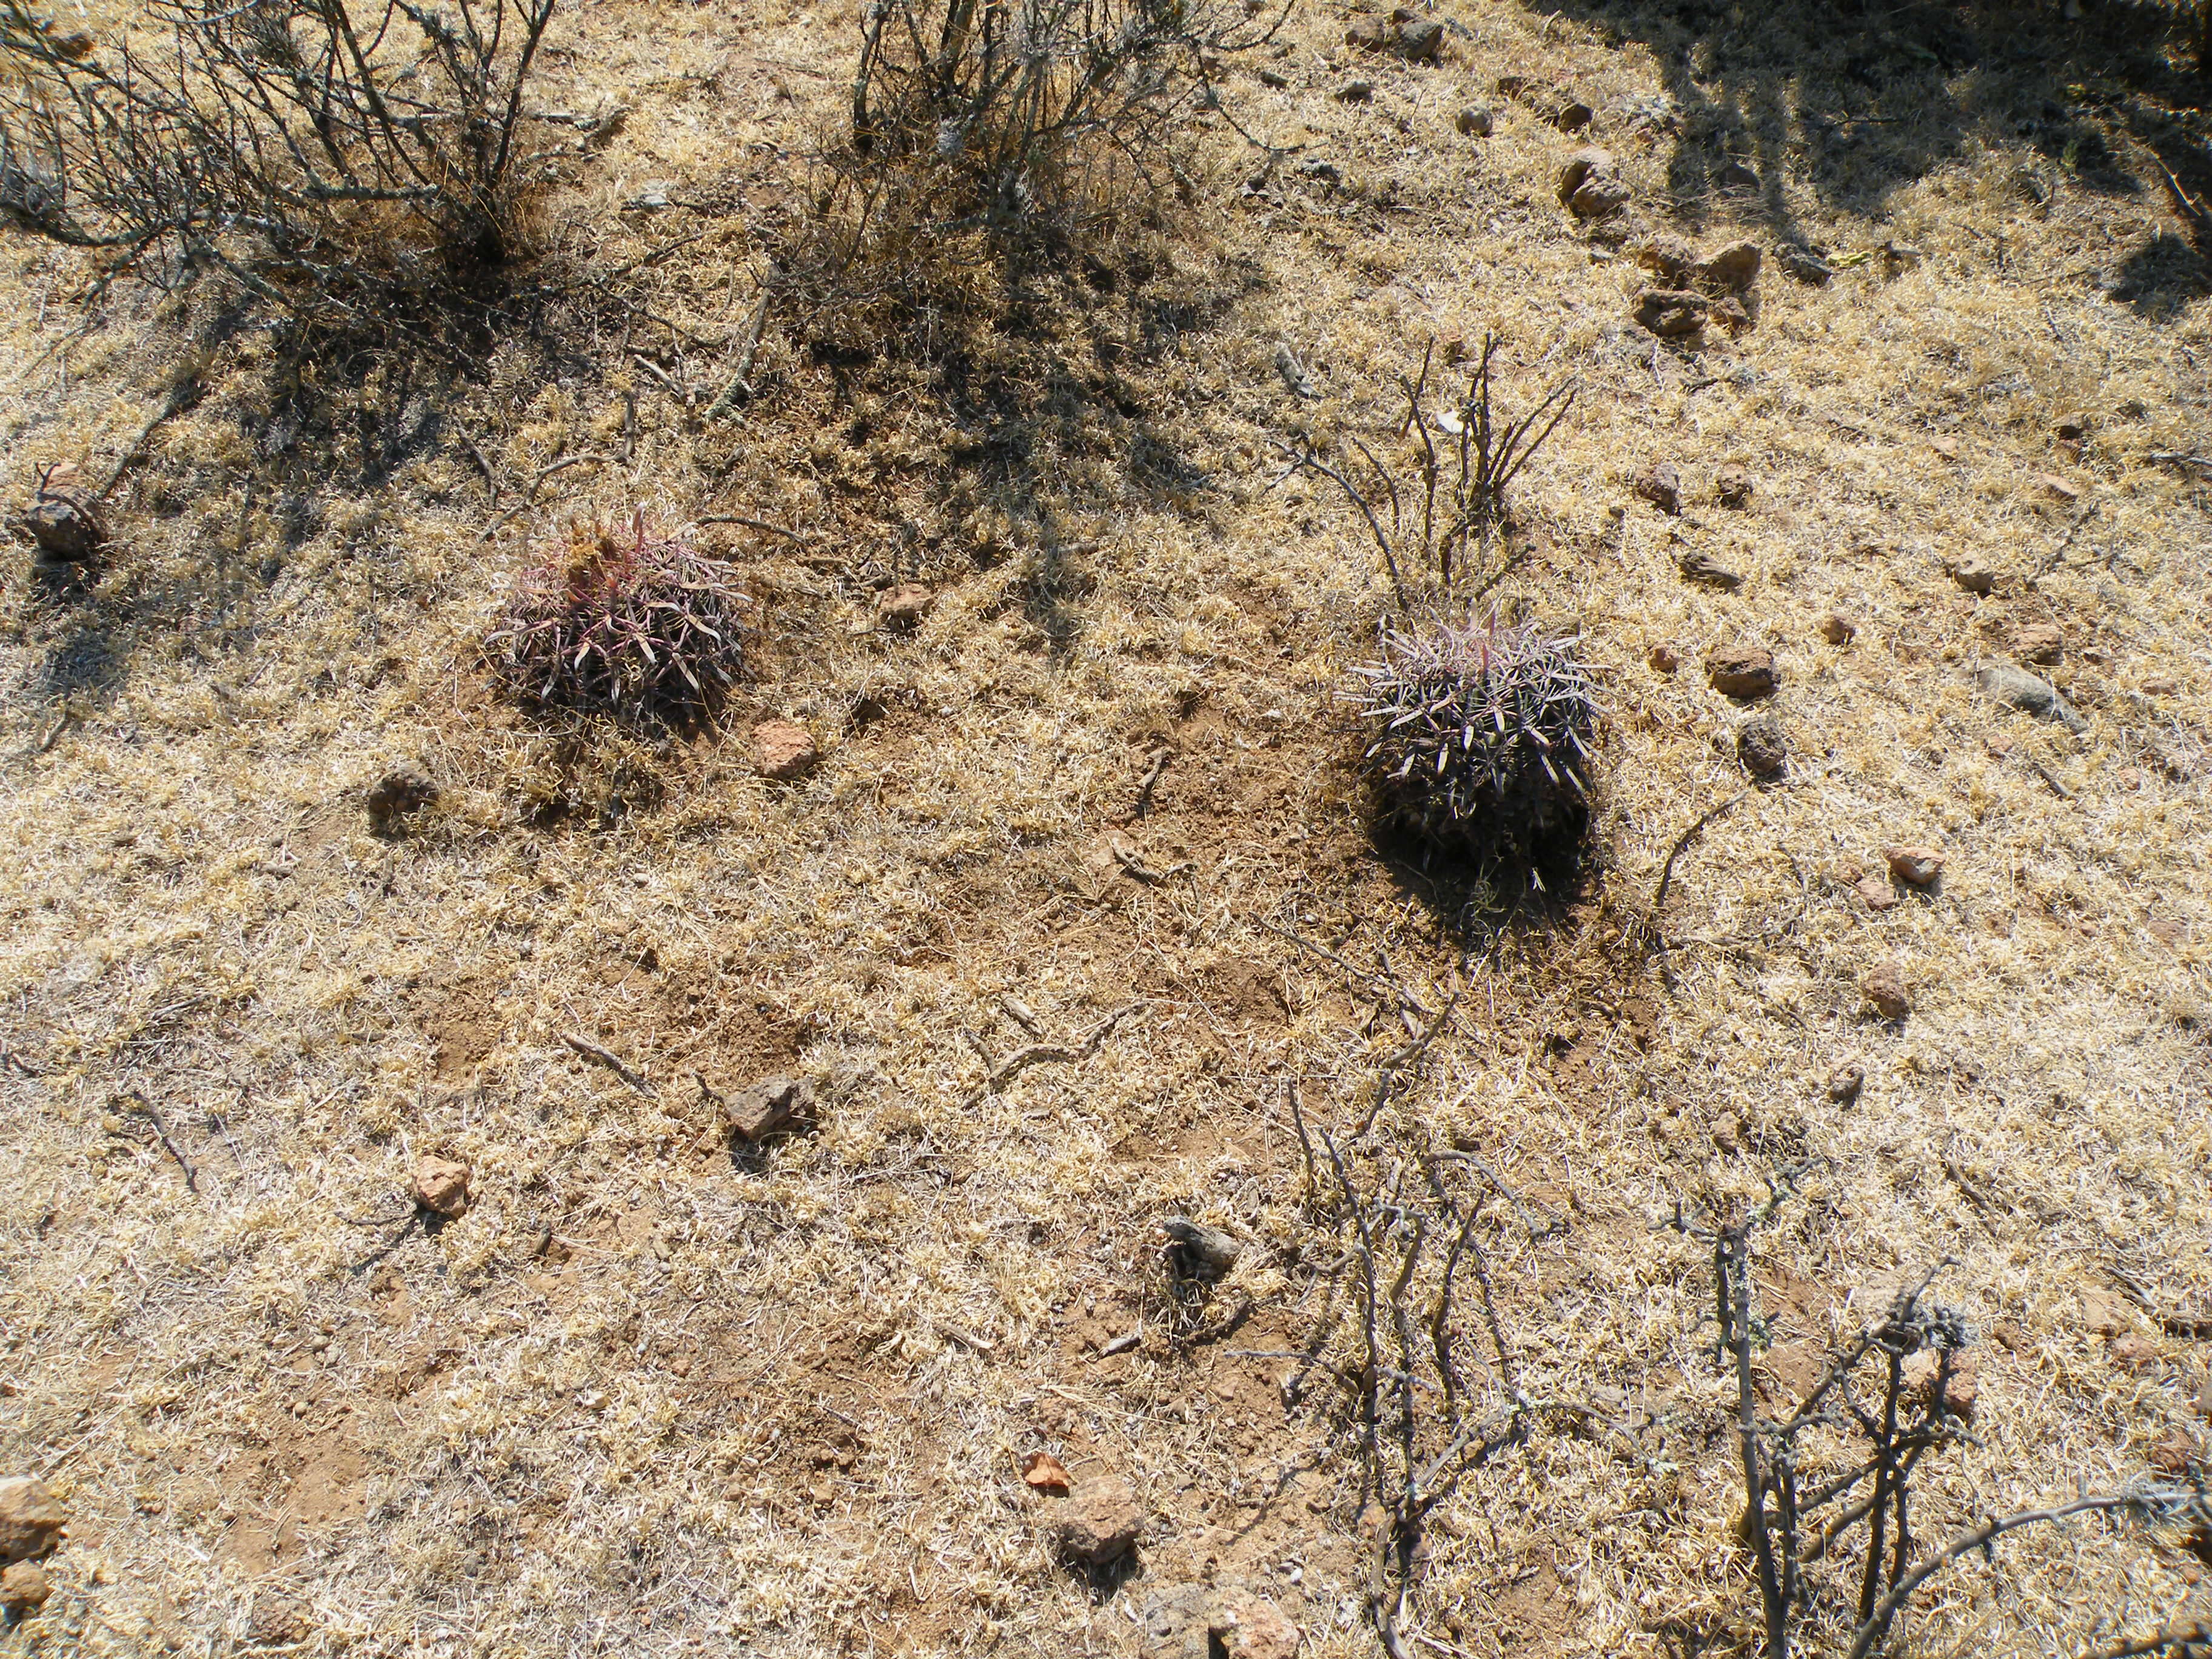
x: 986, y: 133
x: 323, y: 153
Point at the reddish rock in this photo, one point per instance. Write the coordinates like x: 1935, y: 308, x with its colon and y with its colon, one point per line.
x: 1837, y: 628
x: 2039, y: 642
x: 2133, y: 1353
x: 1960, y: 1388
x: 771, y: 1104
x: 1741, y: 670
x: 904, y: 606
x: 1732, y: 269
x: 1672, y: 312
x: 1097, y: 1522
x: 1884, y: 986
x: 443, y: 1185
x: 1663, y: 487
x: 30, y: 1521
x: 783, y: 751
x: 1877, y: 894
x: 1914, y: 865
x: 1664, y: 658
x: 23, y: 1589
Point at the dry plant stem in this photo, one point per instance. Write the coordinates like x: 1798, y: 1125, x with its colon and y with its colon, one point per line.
x: 997, y: 1077
x: 147, y: 1109
x: 598, y: 1056
x: 2171, y: 1638
x: 2147, y: 1503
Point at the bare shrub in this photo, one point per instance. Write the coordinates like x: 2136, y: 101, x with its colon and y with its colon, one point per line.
x: 1828, y: 1490
x: 1447, y: 522
x: 317, y: 155
x: 985, y: 132
x: 635, y: 624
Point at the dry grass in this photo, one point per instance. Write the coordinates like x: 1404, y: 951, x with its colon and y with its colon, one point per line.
x: 648, y: 1396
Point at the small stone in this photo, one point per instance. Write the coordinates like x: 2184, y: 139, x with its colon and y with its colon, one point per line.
x: 1700, y: 566
x: 771, y: 1104
x: 2104, y: 1313
x: 1243, y: 1626
x: 443, y: 1185
x: 1474, y: 121
x: 1671, y: 313
x: 2024, y: 691
x: 1356, y: 92
x: 1573, y: 115
x: 404, y: 789
x: 1733, y: 487
x: 1805, y: 265
x: 1670, y: 259
x: 63, y: 521
x: 2134, y: 1353
x: 23, y: 1589
x: 2039, y: 642
x: 1914, y: 865
x: 1947, y: 447
x: 1973, y: 572
x: 1736, y: 175
x: 1602, y: 192
x: 30, y: 1521
x: 1099, y: 1521
x: 2057, y: 488
x: 1741, y: 670
x: 1837, y: 628
x: 1762, y: 747
x: 1664, y: 658
x: 2071, y: 428
x: 1590, y: 184
x: 1731, y: 270
x: 904, y: 606
x: 1845, y: 1082
x: 1663, y: 487
x: 1877, y: 894
x: 783, y: 751
x: 1884, y: 986
x: 1960, y: 1388
x: 1727, y: 1134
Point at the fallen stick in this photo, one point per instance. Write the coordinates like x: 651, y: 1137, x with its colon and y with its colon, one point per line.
x: 600, y: 1056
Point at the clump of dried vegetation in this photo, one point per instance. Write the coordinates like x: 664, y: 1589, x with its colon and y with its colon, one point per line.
x: 631, y: 622
x: 984, y: 137
x: 327, y: 156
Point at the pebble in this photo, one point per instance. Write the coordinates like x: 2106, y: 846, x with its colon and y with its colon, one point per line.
x: 1099, y: 1522
x: 2057, y: 488
x: 1878, y: 894
x: 1805, y: 265
x: 1700, y: 566
x: 1405, y: 33
x: 1960, y: 1388
x: 23, y: 1589
x: 2072, y: 428
x: 2039, y: 642
x: 904, y: 606
x: 1741, y: 670
x: 31, y: 1520
x: 442, y: 1186
x: 1973, y: 572
x: 1914, y: 865
x: 1884, y: 986
x: 783, y: 751
x: 1473, y: 121
x: 2024, y: 691
x: 1731, y: 270
x: 770, y: 1104
x: 1672, y: 312
x: 1762, y: 747
x: 1844, y: 1084
x: 1837, y: 628
x: 1663, y: 487
x: 1591, y: 184
x: 1664, y: 658
x: 1733, y: 487
x: 1356, y: 92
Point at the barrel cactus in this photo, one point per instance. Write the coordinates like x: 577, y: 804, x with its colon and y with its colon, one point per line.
x: 630, y: 622
x: 1478, y: 741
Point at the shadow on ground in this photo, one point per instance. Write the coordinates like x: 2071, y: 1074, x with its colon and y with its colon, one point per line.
x: 1862, y: 100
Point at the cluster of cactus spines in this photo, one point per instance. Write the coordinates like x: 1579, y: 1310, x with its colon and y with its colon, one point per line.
x: 1478, y: 741
x: 629, y: 622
